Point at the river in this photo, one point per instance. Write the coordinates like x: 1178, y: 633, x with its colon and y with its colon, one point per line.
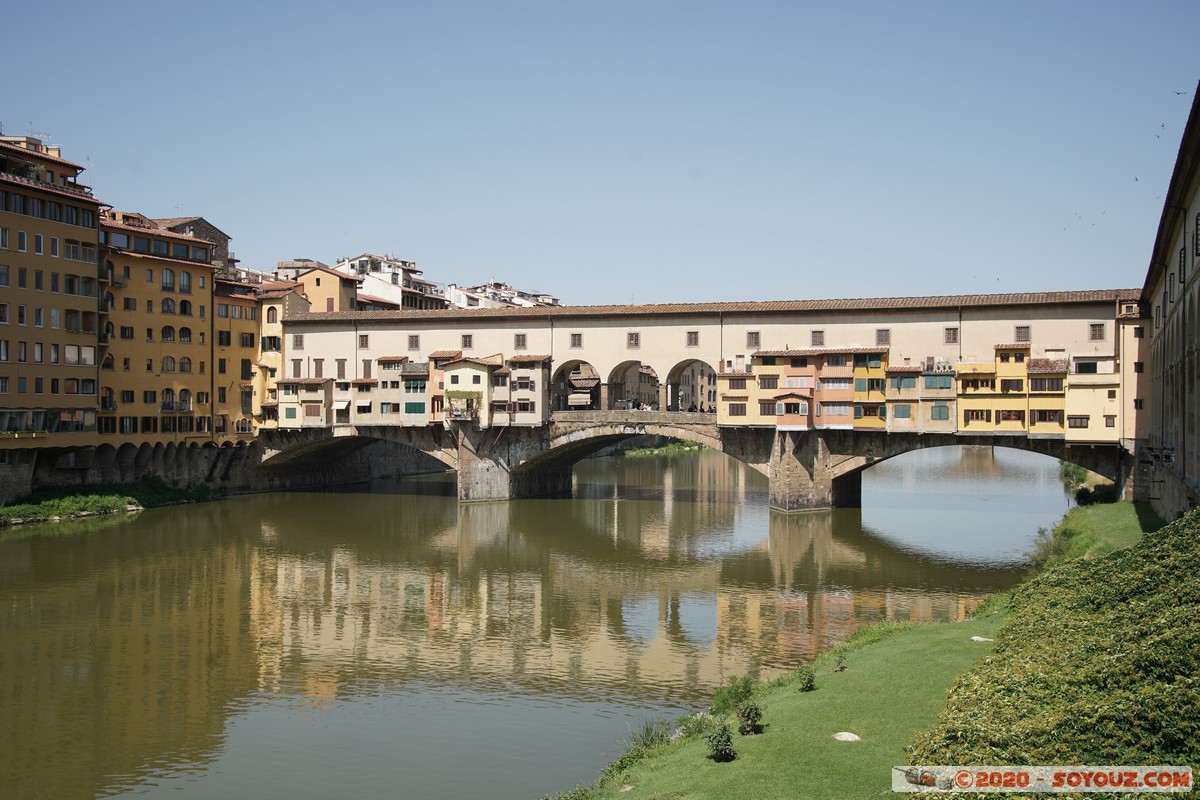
x: 393, y: 643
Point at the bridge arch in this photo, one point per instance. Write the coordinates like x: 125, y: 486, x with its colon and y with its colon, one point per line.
x: 632, y: 384
x: 691, y: 386
x: 576, y: 384
x: 572, y: 444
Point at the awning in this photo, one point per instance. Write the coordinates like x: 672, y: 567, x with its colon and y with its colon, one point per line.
x: 579, y: 400
x: 341, y: 405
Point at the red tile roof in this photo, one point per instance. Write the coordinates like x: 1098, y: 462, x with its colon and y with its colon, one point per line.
x: 846, y: 305
x: 817, y: 351
x: 392, y: 358
x: 435, y: 353
x: 25, y: 151
x: 106, y: 224
x: 538, y: 359
x: 1044, y: 365
x: 45, y: 187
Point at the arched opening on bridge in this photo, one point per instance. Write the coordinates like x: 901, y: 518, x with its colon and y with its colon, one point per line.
x: 576, y: 386
x: 691, y: 386
x: 632, y: 386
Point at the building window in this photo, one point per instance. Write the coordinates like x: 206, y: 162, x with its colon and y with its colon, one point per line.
x: 414, y: 342
x: 766, y: 408
x: 1045, y: 384
x: 951, y: 336
x: 693, y: 338
x: 1096, y: 332
x: 883, y: 337
x: 364, y: 341
x: 468, y: 341
x: 297, y: 341
x: 939, y: 411
x: 633, y: 340
x: 1011, y: 385
x: 1138, y: 366
x: 753, y: 340
x: 902, y: 411
x: 576, y: 340
x: 1110, y: 420
x: 1138, y: 404
x: 1074, y: 421
x: 1086, y: 368
x: 1021, y: 334
x: 817, y: 338
x: 519, y: 341
x: 247, y: 339
x: 768, y: 382
x: 225, y: 339
x: 737, y: 383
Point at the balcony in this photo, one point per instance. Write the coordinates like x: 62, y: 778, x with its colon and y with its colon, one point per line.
x: 108, y: 405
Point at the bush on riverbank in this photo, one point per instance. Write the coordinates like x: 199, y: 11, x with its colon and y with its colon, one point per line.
x: 669, y: 449
x: 65, y: 502
x: 1098, y: 663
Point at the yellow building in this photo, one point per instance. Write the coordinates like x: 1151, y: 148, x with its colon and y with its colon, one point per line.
x: 277, y: 300
x: 48, y: 303
x: 1047, y: 396
x: 1010, y: 403
x: 155, y: 379
x: 870, y: 383
x: 235, y: 355
x: 324, y: 288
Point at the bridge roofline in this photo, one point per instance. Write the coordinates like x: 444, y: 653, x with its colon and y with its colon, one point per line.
x: 840, y: 305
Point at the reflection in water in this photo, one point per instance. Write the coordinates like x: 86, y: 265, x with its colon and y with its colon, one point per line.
x: 308, y: 644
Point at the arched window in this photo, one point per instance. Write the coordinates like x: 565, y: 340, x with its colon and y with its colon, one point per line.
x: 185, y: 364
x: 109, y: 331
x: 185, y: 308
x: 168, y: 364
x: 168, y: 333
x: 109, y: 362
x: 109, y: 301
x: 273, y: 313
x: 185, y: 335
x: 168, y: 399
x: 168, y: 280
x: 185, y: 281
x: 168, y: 305
x: 185, y: 400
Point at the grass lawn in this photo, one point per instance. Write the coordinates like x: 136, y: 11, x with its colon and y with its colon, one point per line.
x: 896, y: 682
x: 1097, y: 530
x: 890, y: 690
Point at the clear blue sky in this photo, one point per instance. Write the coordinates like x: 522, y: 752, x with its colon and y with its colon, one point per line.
x: 646, y: 151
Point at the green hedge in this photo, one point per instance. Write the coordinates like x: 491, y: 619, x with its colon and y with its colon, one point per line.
x: 1098, y: 663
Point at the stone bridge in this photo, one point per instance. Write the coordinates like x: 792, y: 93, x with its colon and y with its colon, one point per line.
x: 807, y: 469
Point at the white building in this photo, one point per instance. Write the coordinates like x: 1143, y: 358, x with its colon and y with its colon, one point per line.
x: 394, y: 280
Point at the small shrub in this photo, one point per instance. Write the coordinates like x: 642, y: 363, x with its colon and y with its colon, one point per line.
x: 698, y: 724
x: 728, y: 697
x: 806, y: 679
x: 749, y: 716
x: 648, y: 733
x: 720, y: 743
x: 841, y: 661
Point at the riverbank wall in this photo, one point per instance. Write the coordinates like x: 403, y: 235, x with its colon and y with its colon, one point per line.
x: 229, y: 469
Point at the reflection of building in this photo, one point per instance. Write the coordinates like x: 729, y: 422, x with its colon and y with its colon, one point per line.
x: 117, y: 667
